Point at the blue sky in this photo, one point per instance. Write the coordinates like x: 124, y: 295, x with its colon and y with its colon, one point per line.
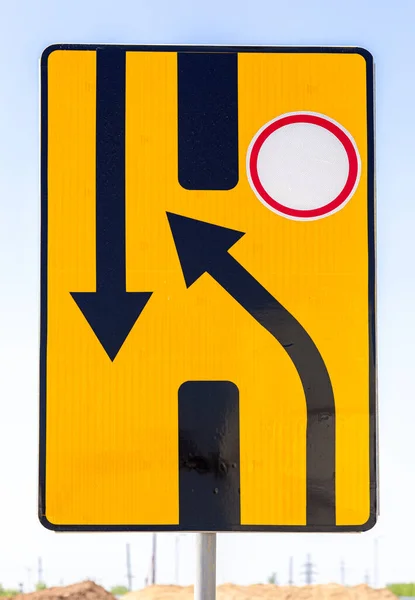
x: 26, y: 28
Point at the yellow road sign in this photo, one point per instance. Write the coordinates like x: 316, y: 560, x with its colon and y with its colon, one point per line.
x: 208, y: 289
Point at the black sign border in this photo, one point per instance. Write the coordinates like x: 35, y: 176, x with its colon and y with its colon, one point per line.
x: 373, y: 411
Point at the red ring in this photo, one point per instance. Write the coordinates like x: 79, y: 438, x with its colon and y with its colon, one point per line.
x: 314, y: 120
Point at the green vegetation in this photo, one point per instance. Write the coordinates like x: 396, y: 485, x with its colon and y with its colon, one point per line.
x: 402, y: 589
x: 119, y: 590
x: 273, y: 579
x: 7, y: 593
x: 41, y: 585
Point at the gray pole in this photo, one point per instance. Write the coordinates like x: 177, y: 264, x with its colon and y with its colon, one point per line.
x: 309, y: 571
x: 375, y: 564
x: 154, y: 561
x: 129, y: 574
x: 205, y: 585
x: 291, y: 572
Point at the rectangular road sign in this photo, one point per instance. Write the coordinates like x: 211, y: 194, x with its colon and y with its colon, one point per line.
x: 208, y: 357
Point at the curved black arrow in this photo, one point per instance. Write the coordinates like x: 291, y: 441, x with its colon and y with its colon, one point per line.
x: 203, y: 247
x: 111, y: 311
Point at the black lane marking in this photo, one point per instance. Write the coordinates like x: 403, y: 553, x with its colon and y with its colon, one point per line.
x: 111, y: 311
x: 209, y: 472
x: 203, y: 247
x: 208, y: 120
x: 110, y: 169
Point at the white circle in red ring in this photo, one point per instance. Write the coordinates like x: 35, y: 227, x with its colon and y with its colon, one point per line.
x: 332, y: 127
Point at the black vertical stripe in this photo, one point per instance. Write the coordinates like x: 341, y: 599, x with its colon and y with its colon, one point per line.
x: 209, y: 472
x: 110, y: 168
x: 321, y: 451
x: 208, y: 120
x: 111, y: 311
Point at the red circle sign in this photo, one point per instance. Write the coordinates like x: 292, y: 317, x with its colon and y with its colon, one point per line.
x: 303, y: 165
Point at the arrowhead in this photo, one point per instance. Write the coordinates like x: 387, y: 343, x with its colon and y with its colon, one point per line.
x: 200, y: 245
x: 111, y: 315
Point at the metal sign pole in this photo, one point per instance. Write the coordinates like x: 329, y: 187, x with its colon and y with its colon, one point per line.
x: 205, y: 584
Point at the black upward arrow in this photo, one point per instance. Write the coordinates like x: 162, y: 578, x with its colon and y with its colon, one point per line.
x: 111, y: 311
x: 203, y: 247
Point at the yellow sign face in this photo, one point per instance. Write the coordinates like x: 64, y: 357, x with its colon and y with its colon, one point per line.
x: 208, y: 289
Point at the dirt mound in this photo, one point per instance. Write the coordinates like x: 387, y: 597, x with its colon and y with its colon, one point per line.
x: 266, y: 592
x: 87, y: 590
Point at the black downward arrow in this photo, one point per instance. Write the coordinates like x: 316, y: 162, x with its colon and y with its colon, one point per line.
x: 111, y: 311
x: 203, y: 247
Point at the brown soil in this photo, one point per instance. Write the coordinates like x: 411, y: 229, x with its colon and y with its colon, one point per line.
x: 266, y: 592
x: 86, y: 590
